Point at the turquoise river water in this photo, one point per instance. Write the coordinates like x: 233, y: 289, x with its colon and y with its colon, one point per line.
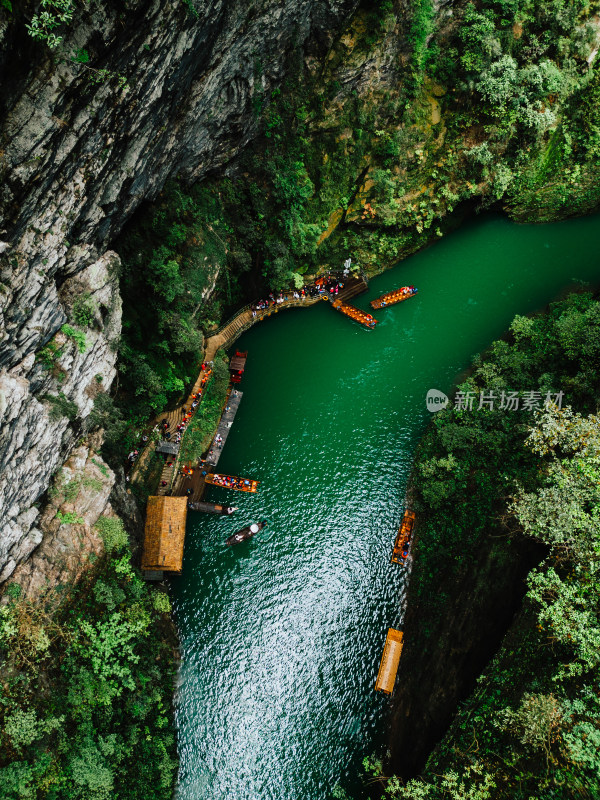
x: 282, y: 635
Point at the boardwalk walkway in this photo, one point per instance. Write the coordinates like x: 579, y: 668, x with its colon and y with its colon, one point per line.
x: 173, y: 418
x: 222, y: 338
x: 195, y: 482
x: 226, y: 335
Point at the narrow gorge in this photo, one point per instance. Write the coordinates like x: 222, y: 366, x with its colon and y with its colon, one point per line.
x: 165, y: 163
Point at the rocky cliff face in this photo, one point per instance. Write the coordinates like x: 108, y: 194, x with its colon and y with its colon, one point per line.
x: 439, y: 670
x: 45, y: 400
x: 168, y: 88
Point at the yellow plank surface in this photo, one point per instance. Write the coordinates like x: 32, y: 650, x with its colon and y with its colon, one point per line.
x: 164, y: 534
x: 386, y: 677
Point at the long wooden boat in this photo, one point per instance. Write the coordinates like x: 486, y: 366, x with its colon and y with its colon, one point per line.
x: 403, y: 538
x: 231, y: 482
x: 245, y: 533
x: 390, y: 658
x: 397, y: 296
x: 212, y: 508
x: 354, y: 313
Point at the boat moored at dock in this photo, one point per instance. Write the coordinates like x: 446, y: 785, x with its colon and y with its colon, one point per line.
x: 245, y: 533
x: 212, y: 508
x: 397, y: 296
x: 354, y: 313
x: 231, y: 482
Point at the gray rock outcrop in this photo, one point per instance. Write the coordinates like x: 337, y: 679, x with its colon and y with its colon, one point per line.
x: 169, y: 88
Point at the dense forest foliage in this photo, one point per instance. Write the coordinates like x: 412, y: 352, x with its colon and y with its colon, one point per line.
x: 483, y: 475
x: 408, y: 122
x: 86, y: 688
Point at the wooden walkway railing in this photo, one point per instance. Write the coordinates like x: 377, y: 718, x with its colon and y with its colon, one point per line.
x: 223, y: 337
x: 226, y: 335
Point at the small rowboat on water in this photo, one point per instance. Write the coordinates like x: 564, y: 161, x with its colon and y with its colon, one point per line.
x: 397, y: 296
x: 403, y: 539
x: 212, y: 508
x: 231, y: 482
x: 355, y: 313
x: 245, y: 533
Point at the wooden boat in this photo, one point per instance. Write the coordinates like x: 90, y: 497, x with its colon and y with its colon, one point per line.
x: 397, y: 296
x: 388, y: 668
x: 245, y: 533
x: 237, y: 365
x: 354, y: 313
x: 212, y: 508
x: 403, y: 538
x: 231, y: 482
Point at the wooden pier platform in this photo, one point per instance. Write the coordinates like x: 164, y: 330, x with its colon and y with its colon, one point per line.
x: 352, y: 288
x: 231, y: 406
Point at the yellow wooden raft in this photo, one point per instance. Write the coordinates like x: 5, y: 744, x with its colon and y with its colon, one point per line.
x: 164, y: 534
x: 386, y: 677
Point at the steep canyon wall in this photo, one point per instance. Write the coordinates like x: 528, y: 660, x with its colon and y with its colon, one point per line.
x: 80, y: 150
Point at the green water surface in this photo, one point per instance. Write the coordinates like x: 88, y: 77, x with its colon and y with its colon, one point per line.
x: 282, y: 635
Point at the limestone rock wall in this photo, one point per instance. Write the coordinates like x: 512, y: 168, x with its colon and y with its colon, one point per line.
x: 44, y: 402
x: 69, y: 542
x: 169, y: 88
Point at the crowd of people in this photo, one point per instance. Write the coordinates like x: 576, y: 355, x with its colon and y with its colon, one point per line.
x: 276, y: 300
x: 328, y: 286
x: 176, y: 435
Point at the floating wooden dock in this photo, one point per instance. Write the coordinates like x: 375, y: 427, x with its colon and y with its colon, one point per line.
x: 392, y: 650
x: 232, y: 482
x: 397, y: 296
x: 225, y: 423
x: 354, y: 313
x: 402, y: 543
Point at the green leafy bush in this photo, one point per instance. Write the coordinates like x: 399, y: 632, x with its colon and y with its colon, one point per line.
x: 86, y: 706
x: 84, y: 310
x: 483, y: 481
x: 61, y: 406
x: 77, y: 336
x: 113, y: 533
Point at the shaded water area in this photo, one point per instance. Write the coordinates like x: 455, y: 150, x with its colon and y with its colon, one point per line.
x: 281, y: 636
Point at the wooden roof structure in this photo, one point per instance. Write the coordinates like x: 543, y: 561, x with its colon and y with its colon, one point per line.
x: 238, y: 362
x: 164, y: 534
x: 386, y: 677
